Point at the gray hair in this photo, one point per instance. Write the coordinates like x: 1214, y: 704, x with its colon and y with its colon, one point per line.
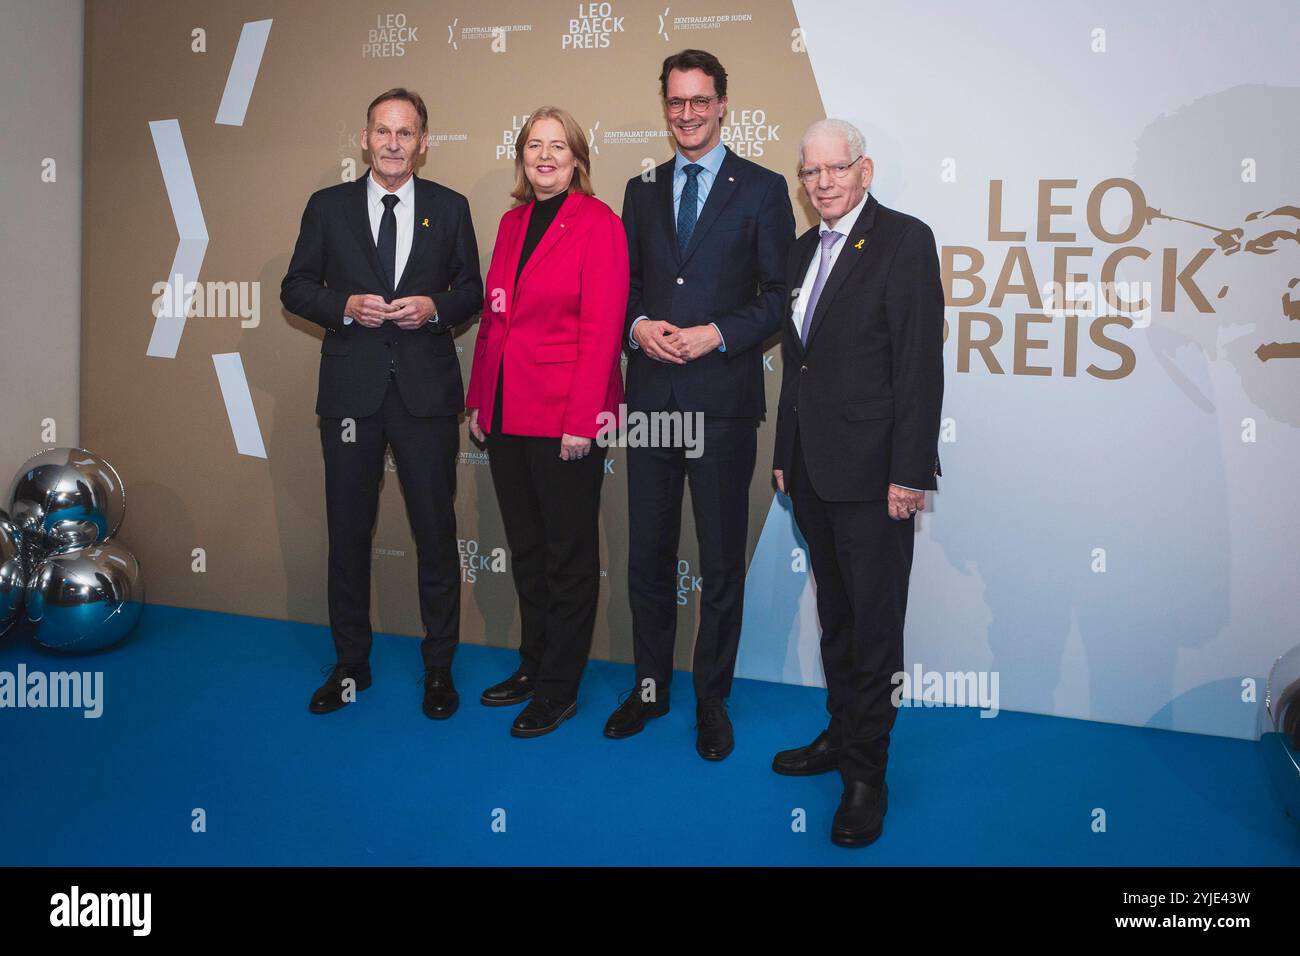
x: 835, y: 127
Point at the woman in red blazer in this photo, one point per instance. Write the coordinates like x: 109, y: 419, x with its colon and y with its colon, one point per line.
x: 546, y: 365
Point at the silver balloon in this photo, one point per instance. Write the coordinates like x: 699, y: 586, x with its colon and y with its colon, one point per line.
x: 86, y: 600
x: 64, y: 499
x: 13, y: 576
x: 1279, y: 731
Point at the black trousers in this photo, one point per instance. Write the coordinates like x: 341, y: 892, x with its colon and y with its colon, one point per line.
x: 425, y: 452
x: 720, y: 501
x: 550, y: 509
x: 861, y: 561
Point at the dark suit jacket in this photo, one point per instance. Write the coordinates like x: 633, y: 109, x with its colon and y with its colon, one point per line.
x: 867, y: 391
x: 733, y: 273
x: 335, y: 257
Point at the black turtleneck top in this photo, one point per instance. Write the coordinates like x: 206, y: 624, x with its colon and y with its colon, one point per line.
x: 544, y: 212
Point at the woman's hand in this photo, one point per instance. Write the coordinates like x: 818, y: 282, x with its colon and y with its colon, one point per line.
x: 473, y: 425
x: 572, y: 447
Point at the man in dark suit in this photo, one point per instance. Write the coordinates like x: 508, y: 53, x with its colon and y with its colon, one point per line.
x: 856, y: 449
x: 389, y: 266
x: 708, y: 235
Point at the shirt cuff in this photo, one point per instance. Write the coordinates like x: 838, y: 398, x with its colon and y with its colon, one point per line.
x: 907, y: 487
x: 347, y: 320
x: 723, y: 346
x: 630, y: 338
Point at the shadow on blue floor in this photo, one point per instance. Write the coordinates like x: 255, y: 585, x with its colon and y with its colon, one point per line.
x: 206, y: 710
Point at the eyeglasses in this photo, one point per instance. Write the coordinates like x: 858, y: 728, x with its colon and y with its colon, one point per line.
x: 838, y: 171
x: 404, y: 135
x: 698, y: 103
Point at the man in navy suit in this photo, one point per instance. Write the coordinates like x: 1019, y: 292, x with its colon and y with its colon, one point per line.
x: 389, y: 266
x: 708, y: 235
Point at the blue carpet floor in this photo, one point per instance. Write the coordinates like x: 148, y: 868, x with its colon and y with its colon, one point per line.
x: 205, y: 710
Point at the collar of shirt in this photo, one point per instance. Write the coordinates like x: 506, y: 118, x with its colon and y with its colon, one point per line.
x: 843, y: 227
x: 405, y: 194
x: 711, y: 161
x: 847, y: 221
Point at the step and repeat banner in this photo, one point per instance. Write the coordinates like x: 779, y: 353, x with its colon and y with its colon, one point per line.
x: 210, y: 124
x: 1116, y: 195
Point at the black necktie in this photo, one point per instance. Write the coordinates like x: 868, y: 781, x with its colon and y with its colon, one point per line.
x: 387, y: 244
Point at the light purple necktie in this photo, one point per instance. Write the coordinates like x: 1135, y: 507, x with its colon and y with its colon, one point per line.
x: 829, y: 239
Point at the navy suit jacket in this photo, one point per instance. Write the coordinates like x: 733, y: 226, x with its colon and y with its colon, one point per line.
x: 335, y: 257
x: 732, y: 273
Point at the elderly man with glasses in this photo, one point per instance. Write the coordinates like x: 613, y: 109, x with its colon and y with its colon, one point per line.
x: 856, y: 449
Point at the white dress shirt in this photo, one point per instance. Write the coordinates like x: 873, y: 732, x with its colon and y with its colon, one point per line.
x: 710, y: 163
x: 844, y: 227
x: 405, y: 213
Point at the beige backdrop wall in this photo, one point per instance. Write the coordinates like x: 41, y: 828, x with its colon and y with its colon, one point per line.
x: 40, y: 232
x: 482, y: 67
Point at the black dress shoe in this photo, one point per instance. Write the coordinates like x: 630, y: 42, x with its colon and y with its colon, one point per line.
x: 714, y: 739
x: 630, y: 716
x: 861, y: 814
x: 334, y: 694
x: 541, y: 717
x: 818, y: 757
x: 515, y: 689
x: 440, y: 697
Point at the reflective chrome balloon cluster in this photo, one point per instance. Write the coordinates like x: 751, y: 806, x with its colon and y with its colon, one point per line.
x: 59, y: 562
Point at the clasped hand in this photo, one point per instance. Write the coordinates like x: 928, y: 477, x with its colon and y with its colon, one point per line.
x: 408, y: 312
x: 665, y: 342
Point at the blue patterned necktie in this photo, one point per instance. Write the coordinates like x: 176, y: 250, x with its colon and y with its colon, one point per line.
x: 688, y: 208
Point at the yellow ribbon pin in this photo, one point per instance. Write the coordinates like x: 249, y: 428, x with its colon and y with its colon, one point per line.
x: 425, y: 223
x: 858, y: 245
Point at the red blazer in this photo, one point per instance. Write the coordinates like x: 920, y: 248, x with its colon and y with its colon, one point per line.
x: 560, y: 329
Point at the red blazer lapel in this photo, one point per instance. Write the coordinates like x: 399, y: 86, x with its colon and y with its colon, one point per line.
x: 514, y: 247
x: 554, y: 233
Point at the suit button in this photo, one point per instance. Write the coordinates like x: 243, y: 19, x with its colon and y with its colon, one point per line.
x: 803, y: 369
x: 794, y: 408
x: 680, y: 280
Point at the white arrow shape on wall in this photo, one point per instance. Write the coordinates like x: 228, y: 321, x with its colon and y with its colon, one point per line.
x: 192, y: 235
x: 239, y: 404
x: 243, y: 73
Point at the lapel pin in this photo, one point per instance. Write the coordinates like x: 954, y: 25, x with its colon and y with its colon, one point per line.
x: 858, y: 245
x: 731, y: 179
x: 425, y: 223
